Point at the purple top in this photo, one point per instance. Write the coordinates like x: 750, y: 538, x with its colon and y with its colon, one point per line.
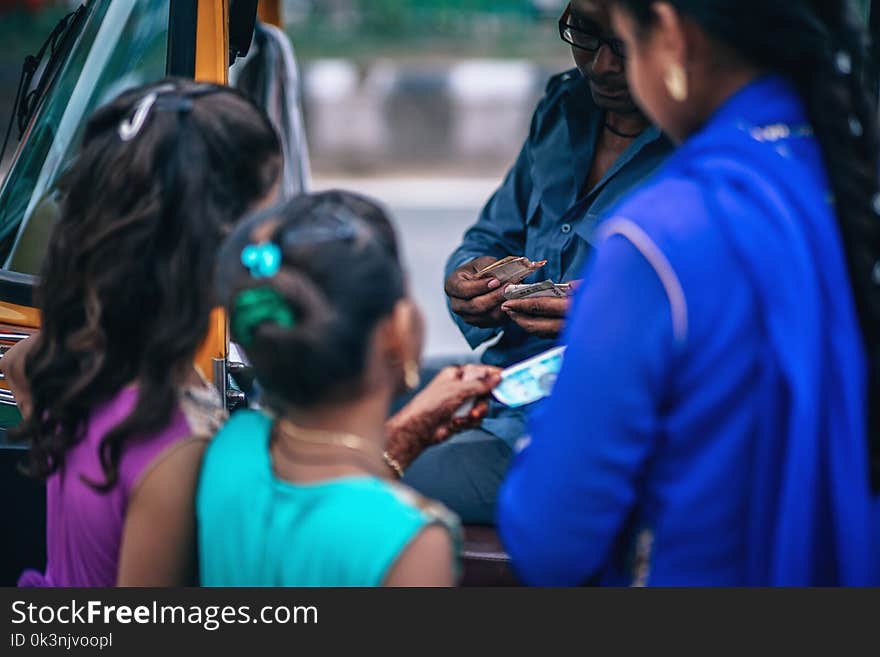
x: 84, y: 526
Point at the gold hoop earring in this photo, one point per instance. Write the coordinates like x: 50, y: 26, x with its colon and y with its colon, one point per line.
x: 677, y: 83
x: 411, y: 375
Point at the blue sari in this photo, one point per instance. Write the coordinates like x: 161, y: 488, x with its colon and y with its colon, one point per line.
x: 796, y: 503
x: 810, y: 319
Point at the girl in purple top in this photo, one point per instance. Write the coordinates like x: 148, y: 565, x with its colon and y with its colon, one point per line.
x: 118, y: 415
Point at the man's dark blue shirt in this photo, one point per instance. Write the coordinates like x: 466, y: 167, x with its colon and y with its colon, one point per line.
x: 543, y: 211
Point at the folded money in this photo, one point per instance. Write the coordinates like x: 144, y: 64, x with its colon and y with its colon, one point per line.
x: 538, y: 290
x: 511, y: 269
x: 531, y: 380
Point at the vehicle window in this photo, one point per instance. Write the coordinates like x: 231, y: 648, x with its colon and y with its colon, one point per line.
x: 122, y: 45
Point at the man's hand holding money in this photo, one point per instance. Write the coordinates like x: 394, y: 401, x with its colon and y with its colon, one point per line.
x: 476, y: 289
x: 540, y: 316
x: 476, y: 300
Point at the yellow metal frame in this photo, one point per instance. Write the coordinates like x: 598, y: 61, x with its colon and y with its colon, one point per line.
x: 269, y: 11
x: 212, y: 65
x: 23, y: 316
x: 17, y: 319
x: 212, y: 41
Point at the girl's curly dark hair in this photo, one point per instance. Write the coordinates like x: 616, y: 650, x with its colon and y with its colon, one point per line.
x: 126, y: 286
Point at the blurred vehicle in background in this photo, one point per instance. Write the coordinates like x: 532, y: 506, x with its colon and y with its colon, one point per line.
x: 546, y: 7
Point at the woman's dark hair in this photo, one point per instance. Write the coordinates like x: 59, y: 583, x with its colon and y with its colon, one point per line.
x: 339, y: 275
x: 822, y: 47
x: 126, y: 287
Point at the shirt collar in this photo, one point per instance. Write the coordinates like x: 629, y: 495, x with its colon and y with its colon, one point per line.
x: 585, y: 120
x: 649, y: 136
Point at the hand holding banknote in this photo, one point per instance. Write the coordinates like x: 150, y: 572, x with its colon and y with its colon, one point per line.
x: 543, y: 313
x: 476, y: 289
x: 455, y: 400
x: 537, y: 290
x: 533, y: 379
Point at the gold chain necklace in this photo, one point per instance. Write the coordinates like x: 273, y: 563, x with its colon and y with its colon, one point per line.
x: 295, y: 433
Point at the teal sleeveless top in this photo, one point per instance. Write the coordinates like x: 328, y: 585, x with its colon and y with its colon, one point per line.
x: 258, y: 530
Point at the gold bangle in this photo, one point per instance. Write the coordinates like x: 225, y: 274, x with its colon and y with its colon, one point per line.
x: 393, y: 463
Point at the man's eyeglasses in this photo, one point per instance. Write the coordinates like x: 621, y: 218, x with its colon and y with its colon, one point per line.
x: 586, y: 40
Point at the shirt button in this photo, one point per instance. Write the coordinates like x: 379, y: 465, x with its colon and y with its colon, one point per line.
x: 566, y: 229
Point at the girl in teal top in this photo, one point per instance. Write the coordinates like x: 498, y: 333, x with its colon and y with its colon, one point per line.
x: 260, y: 530
x: 300, y: 494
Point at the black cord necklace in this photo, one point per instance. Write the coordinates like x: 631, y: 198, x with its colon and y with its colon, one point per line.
x: 610, y: 128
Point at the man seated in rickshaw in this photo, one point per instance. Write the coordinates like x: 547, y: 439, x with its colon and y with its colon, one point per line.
x: 589, y: 145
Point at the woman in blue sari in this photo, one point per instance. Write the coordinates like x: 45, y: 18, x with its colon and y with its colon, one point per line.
x: 711, y: 422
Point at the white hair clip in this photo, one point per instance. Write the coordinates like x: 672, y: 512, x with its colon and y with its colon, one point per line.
x: 130, y: 128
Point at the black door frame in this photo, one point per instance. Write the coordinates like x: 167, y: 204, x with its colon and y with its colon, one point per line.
x: 182, y: 28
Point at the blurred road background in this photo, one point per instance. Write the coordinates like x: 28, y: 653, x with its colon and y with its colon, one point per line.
x: 422, y: 104
x: 431, y: 214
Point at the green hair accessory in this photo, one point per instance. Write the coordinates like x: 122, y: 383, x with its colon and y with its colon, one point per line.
x: 256, y: 305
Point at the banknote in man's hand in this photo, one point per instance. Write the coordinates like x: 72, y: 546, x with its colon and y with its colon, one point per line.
x: 511, y: 270
x: 543, y: 289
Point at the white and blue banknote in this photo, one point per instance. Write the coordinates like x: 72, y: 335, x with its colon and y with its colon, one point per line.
x: 530, y: 380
